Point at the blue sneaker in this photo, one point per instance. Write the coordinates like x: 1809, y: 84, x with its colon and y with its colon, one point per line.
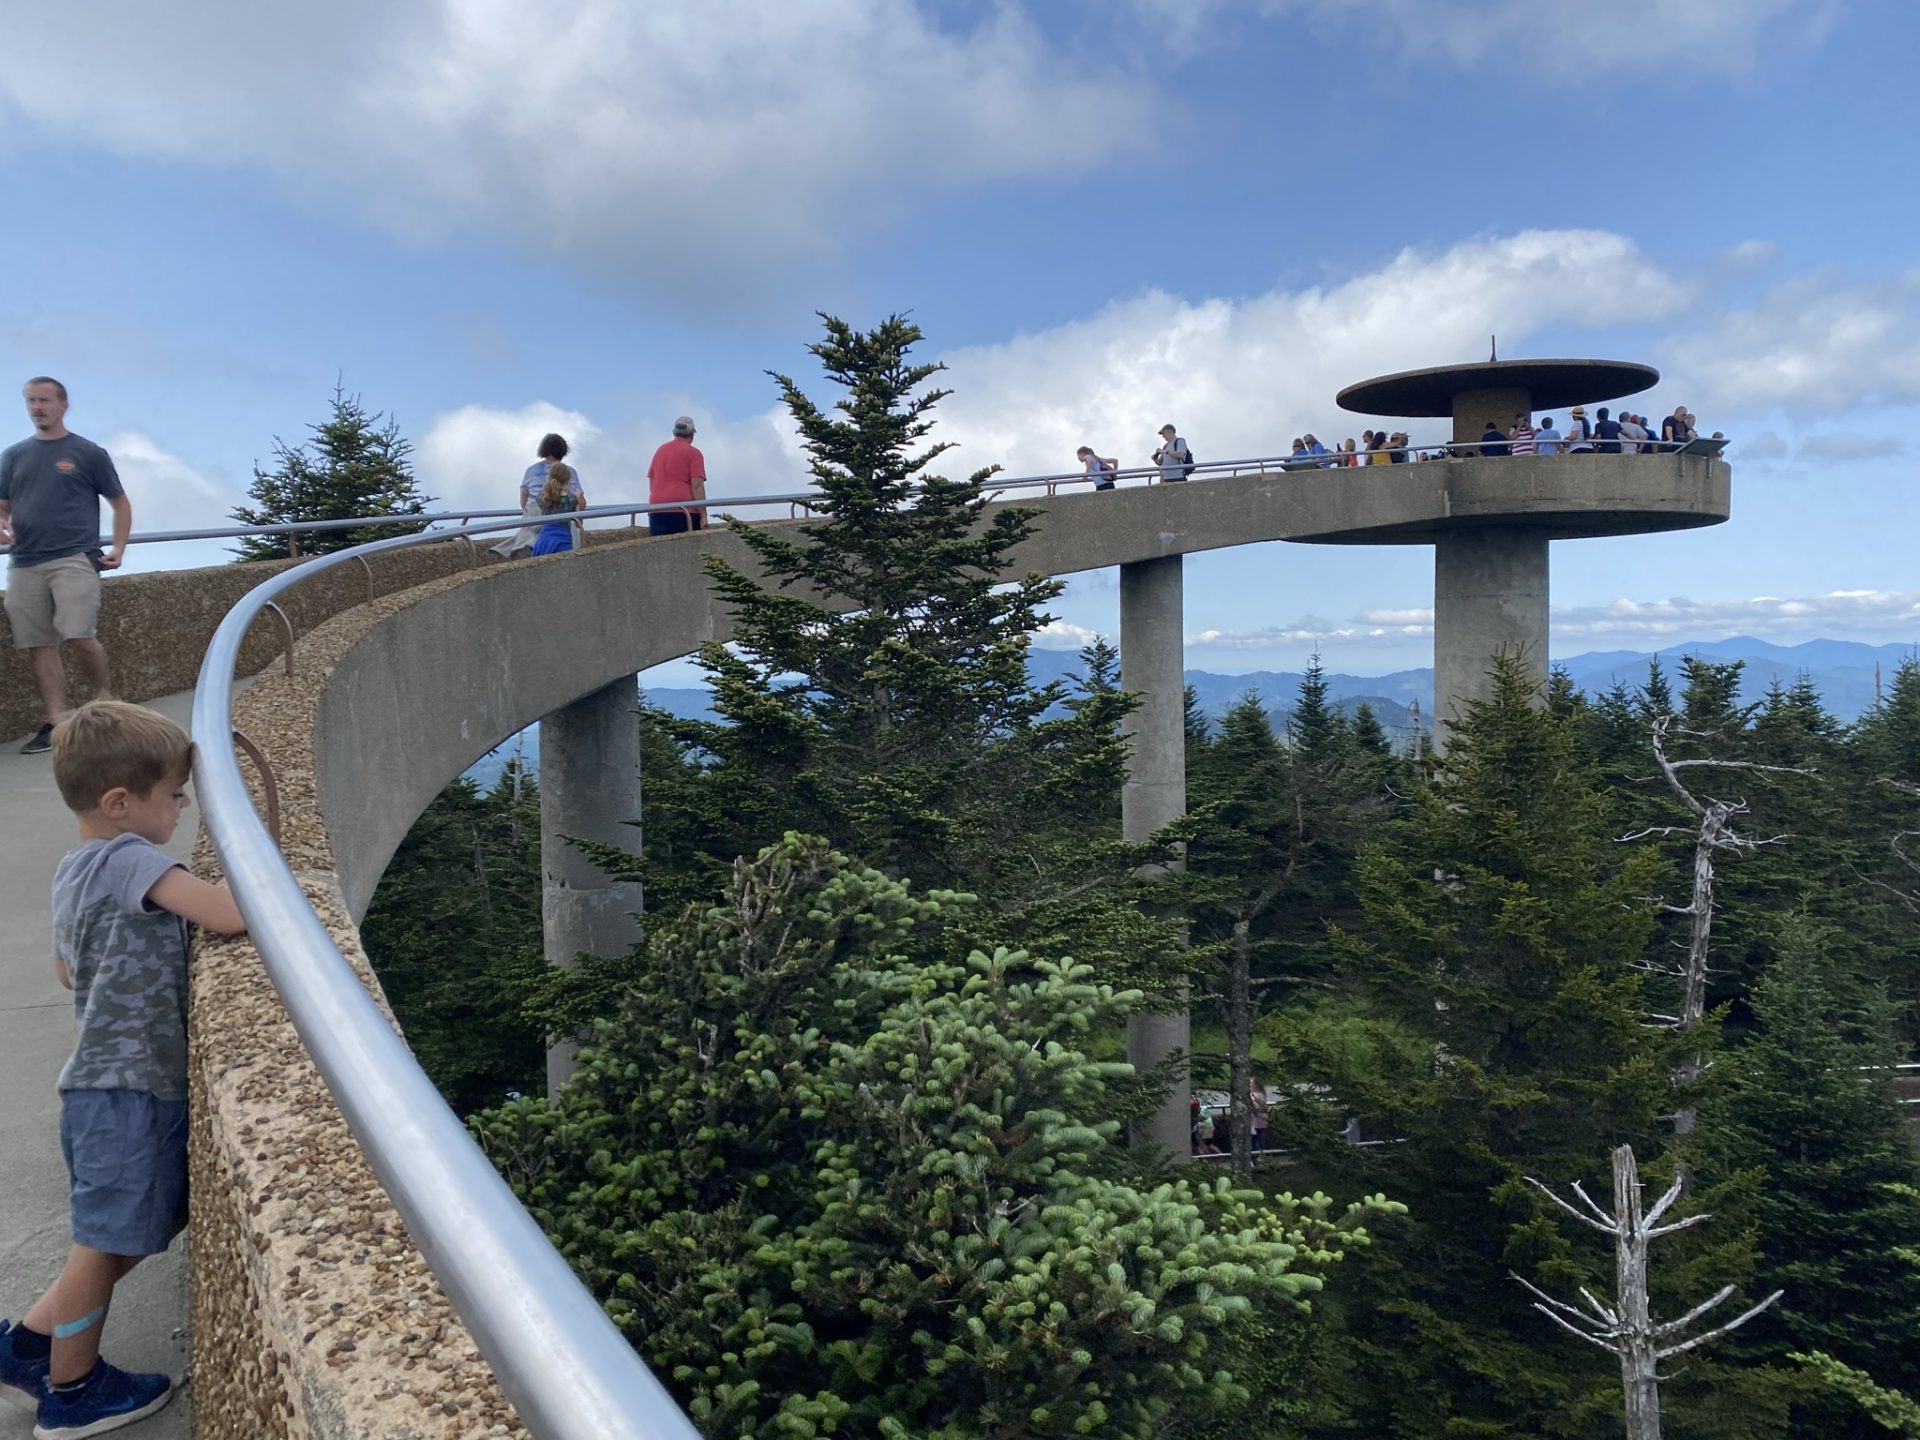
x: 110, y: 1398
x: 21, y: 1381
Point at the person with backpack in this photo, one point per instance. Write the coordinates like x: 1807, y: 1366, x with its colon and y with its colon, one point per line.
x: 1173, y: 457
x: 1100, y: 469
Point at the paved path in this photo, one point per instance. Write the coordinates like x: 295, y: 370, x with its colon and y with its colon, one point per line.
x: 148, y: 1327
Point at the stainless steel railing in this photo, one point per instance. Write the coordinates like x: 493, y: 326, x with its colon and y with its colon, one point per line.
x: 566, y: 1368
x: 1414, y: 450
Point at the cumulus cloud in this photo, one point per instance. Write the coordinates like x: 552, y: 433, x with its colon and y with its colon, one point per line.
x: 1239, y: 376
x: 1816, y: 343
x: 1882, y: 614
x: 1563, y: 39
x: 660, y: 142
x: 473, y: 457
x: 1064, y: 635
x: 169, y: 494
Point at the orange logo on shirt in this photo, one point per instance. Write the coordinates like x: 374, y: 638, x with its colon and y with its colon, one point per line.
x: 65, y: 467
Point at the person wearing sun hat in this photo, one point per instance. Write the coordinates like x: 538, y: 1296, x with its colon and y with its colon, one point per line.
x: 1579, y: 436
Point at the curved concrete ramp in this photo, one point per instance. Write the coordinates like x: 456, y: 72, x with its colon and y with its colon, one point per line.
x: 475, y: 658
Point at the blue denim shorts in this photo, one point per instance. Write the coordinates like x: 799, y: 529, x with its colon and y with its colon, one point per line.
x: 127, y: 1158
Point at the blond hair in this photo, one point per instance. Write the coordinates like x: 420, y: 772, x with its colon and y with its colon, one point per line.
x: 111, y: 745
x: 559, y: 481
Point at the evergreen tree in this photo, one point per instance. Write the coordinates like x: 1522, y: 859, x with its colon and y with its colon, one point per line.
x: 1369, y: 735
x: 1269, y: 848
x: 830, y: 1180
x: 353, y: 466
x: 1495, y: 953
x: 1315, y: 727
x: 453, y: 932
x: 1805, y: 1103
x: 876, y: 689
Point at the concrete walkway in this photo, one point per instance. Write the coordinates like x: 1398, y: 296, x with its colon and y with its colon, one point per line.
x: 148, y: 1327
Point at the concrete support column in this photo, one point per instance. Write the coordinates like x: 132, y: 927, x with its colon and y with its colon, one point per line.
x: 1489, y: 595
x: 589, y: 790
x: 1152, y: 668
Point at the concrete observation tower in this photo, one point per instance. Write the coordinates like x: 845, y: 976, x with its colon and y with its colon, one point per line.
x: 1498, y: 515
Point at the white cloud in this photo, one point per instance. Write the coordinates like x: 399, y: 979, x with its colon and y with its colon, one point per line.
x: 1820, y: 343
x: 1566, y: 39
x: 1894, y: 614
x: 473, y: 457
x: 169, y: 494
x: 657, y: 141
x: 1064, y: 635
x: 1240, y: 377
x: 1882, y: 614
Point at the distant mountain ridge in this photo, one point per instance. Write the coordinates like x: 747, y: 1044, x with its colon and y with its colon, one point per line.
x: 1842, y: 670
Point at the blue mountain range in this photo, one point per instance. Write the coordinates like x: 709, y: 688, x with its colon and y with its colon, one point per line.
x: 1848, y: 674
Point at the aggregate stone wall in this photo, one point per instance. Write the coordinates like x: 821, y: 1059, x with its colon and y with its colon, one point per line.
x: 156, y: 625
x: 312, y: 1313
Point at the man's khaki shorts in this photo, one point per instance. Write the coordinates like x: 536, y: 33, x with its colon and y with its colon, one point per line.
x: 53, y: 601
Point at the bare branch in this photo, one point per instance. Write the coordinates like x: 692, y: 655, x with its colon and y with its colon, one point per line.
x: 1611, y: 1346
x: 1664, y: 1203
x: 1686, y: 1224
x: 1726, y: 1329
x: 1674, y: 1327
x: 1545, y: 1298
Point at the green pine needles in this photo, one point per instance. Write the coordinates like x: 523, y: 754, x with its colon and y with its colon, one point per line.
x: 832, y: 1181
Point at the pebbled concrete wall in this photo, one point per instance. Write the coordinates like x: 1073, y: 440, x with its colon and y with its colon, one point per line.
x: 156, y: 624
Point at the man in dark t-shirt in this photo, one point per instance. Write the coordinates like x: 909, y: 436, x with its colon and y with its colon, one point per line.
x: 1492, y: 441
x: 1606, y: 433
x: 51, y: 486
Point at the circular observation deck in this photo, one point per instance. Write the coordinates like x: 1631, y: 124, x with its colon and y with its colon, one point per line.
x: 1496, y: 390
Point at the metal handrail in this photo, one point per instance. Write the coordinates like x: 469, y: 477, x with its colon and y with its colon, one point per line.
x: 564, y: 1365
x: 1259, y: 464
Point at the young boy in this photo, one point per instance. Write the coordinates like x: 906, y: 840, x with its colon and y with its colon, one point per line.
x: 121, y: 907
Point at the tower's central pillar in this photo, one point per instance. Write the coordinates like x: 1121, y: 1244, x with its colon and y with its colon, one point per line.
x: 1489, y: 596
x: 1152, y: 669
x: 589, y: 790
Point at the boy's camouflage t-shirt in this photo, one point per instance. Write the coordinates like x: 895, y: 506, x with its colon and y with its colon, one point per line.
x: 128, y: 960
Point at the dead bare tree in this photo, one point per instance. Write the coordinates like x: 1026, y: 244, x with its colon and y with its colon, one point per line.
x: 1712, y: 831
x: 1898, y: 845
x: 1627, y: 1327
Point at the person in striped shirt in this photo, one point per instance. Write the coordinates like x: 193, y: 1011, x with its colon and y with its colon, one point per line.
x: 1522, y: 435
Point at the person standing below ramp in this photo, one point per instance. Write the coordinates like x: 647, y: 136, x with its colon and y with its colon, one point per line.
x: 51, y: 486
x: 678, y: 472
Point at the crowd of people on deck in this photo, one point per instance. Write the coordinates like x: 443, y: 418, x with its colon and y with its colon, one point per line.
x: 1627, y: 433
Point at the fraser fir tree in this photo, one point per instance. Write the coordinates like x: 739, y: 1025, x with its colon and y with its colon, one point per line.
x: 832, y: 1181
x: 876, y: 689
x: 1495, y: 953
x: 354, y: 465
x: 453, y: 932
x: 1806, y: 1103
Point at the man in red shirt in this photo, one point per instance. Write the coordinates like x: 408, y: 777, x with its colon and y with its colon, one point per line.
x: 678, y: 472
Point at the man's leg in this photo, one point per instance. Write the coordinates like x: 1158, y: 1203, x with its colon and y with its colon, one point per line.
x: 74, y: 1310
x: 92, y: 656
x: 50, y: 677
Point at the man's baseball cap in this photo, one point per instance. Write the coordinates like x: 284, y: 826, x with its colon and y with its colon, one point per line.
x: 683, y: 425
x: 1167, y: 430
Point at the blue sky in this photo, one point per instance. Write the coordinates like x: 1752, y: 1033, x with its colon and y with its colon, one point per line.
x: 496, y: 219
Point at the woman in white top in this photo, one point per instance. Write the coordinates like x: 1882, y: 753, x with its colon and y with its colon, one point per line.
x: 1579, y: 437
